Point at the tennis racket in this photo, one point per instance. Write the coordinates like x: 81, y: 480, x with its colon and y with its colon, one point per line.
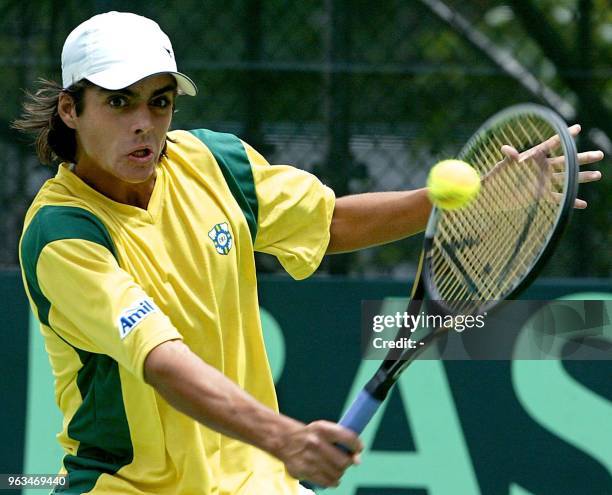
x: 475, y: 257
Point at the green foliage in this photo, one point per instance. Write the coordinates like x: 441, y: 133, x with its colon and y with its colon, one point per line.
x: 369, y: 95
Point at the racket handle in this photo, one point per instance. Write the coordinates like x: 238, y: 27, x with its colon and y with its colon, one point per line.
x: 360, y: 413
x: 356, y: 418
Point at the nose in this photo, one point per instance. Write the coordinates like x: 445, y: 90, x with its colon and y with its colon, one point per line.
x: 142, y: 122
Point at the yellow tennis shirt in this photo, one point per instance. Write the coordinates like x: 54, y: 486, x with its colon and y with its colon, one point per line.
x: 110, y: 281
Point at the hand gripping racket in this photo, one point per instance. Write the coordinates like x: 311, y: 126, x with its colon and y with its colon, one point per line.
x: 477, y: 256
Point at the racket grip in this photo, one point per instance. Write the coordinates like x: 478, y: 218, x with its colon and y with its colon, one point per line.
x: 360, y: 413
x: 356, y: 418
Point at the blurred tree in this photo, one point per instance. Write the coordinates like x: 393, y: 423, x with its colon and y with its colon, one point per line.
x: 561, y: 36
x: 368, y: 97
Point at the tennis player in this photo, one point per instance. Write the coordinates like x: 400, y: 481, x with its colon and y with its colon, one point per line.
x: 138, y: 260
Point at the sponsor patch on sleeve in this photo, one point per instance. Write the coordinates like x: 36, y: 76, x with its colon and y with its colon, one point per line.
x: 131, y: 317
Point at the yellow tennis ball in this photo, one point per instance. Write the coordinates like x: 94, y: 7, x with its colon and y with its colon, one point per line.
x: 452, y: 184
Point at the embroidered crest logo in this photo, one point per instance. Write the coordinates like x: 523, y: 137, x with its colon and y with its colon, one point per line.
x: 221, y: 237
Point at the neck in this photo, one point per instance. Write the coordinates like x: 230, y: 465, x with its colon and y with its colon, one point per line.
x: 133, y: 194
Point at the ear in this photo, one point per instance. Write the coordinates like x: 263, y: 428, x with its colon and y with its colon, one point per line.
x: 67, y: 110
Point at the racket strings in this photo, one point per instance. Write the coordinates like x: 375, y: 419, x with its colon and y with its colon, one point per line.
x: 523, y: 193
x: 531, y: 184
x: 483, y: 250
x: 480, y: 252
x: 503, y: 255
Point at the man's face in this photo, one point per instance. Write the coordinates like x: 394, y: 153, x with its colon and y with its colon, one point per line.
x: 121, y: 134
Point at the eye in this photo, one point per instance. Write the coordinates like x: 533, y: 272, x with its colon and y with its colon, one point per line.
x: 117, y: 101
x: 161, y: 102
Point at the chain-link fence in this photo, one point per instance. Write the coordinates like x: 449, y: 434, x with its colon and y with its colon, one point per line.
x: 367, y: 96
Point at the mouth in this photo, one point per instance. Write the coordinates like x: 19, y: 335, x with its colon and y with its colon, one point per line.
x: 141, y: 155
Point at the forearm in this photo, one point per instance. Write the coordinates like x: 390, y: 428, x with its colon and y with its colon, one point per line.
x: 200, y: 391
x: 364, y: 220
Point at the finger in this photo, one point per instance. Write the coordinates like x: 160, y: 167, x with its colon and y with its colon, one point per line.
x: 574, y: 130
x: 552, y: 142
x: 330, y: 475
x: 585, y: 158
x: 322, y: 479
x: 351, y: 441
x: 336, y: 458
x: 333, y: 462
x: 590, y: 157
x: 314, y: 463
x: 580, y: 204
x: 589, y: 176
x: 331, y: 451
x: 558, y: 162
x: 547, y: 146
x: 583, y: 177
x: 510, y: 152
x: 337, y: 434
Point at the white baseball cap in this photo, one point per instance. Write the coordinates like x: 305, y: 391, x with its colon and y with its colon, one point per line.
x: 116, y: 49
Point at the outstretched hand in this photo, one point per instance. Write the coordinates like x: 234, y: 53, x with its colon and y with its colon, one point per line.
x: 544, y: 148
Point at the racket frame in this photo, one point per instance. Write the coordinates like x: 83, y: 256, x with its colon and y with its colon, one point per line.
x: 435, y: 301
x: 376, y: 390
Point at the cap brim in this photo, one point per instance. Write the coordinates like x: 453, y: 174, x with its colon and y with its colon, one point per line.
x: 114, y: 79
x: 185, y: 85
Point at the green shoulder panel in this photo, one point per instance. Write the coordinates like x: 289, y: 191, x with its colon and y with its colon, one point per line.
x: 231, y: 156
x: 53, y: 223
x: 100, y: 423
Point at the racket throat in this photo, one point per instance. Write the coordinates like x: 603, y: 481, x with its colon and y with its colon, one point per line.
x: 379, y: 385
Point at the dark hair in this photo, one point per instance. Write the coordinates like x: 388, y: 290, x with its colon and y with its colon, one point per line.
x: 54, y: 140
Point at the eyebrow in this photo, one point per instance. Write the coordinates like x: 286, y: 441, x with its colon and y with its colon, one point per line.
x: 130, y: 93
